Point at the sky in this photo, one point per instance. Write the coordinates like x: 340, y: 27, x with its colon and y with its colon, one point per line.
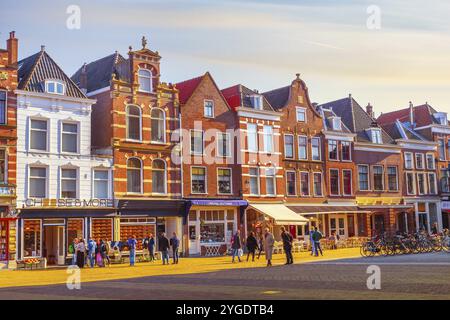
x: 261, y: 44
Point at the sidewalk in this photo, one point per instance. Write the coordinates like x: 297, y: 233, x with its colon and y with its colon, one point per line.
x: 185, y: 266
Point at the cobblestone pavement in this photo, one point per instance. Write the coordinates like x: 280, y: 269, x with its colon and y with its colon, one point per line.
x: 423, y: 276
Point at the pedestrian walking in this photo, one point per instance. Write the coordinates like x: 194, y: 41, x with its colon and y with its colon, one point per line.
x: 164, y: 246
x: 311, y: 241
x: 252, y: 245
x: 132, y: 242
x: 145, y: 250
x: 316, y: 236
x: 260, y: 244
x: 287, y: 245
x: 80, y: 253
x: 269, y: 241
x: 104, y: 251
x: 175, y: 244
x: 98, y: 254
x: 92, y: 246
x: 151, y: 247
x: 73, y: 251
x: 236, y: 245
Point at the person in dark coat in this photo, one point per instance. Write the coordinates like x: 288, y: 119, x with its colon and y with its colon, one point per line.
x: 164, y: 246
x: 287, y: 245
x: 236, y: 245
x: 252, y: 245
x: 175, y: 244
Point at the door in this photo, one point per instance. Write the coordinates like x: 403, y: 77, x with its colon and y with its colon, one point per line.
x: 379, y: 224
x: 60, y: 245
x: 193, y: 240
x: 338, y: 225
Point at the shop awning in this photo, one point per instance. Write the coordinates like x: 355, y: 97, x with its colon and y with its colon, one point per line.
x: 218, y: 202
x: 280, y: 213
x: 325, y: 209
x: 153, y: 208
x: 66, y: 213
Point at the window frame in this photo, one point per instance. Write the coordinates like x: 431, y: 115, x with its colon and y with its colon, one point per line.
x: 303, y: 109
x: 271, y: 140
x: 149, y: 78
x: 425, y: 191
x: 205, y: 101
x: 46, y: 167
x: 6, y: 107
x: 305, y: 147
x: 256, y: 137
x: 163, y: 120
x: 229, y: 147
x: 412, y: 161
x: 435, y: 186
x: 193, y: 152
x: 349, y: 151
x: 5, y: 169
x: 206, y: 179
x: 376, y: 136
x: 422, y: 159
x: 61, y: 133
x: 274, y: 179
x: 108, y: 182
x: 444, y: 147
x: 396, y: 179
x: 231, y: 180
x: 141, y: 187
x: 319, y: 149
x: 301, y: 184
x: 321, y: 185
x: 368, y: 177
x: 77, y: 179
x: 343, y: 182
x: 433, y: 161
x: 414, y: 191
x: 165, y: 176
x: 337, y: 149
x: 293, y: 147
x: 127, y: 116
x: 382, y: 178
x: 338, y: 182
x: 47, y: 134
x: 295, y: 183
x: 258, y: 180
x: 55, y: 82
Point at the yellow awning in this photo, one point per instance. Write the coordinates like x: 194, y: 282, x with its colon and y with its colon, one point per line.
x: 280, y: 213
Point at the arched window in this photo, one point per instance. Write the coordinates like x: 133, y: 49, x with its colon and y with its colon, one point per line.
x: 145, y: 80
x: 159, y: 176
x: 134, y: 123
x: 158, y: 125
x: 134, y: 175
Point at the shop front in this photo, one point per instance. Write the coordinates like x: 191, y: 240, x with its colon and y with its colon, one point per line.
x: 7, y: 237
x: 141, y: 218
x: 445, y: 205
x: 211, y: 225
x: 273, y: 216
x: 428, y: 214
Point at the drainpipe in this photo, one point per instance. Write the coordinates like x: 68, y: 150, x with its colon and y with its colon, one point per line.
x: 411, y: 114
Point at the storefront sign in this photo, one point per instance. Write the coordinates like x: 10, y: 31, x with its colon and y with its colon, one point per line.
x: 221, y: 203
x: 70, y: 203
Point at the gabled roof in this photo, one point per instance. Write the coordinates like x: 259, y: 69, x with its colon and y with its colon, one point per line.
x: 327, y: 114
x: 356, y: 119
x: 186, y: 88
x: 239, y: 96
x: 100, y: 72
x: 35, y: 69
x: 423, y: 116
x: 278, y: 98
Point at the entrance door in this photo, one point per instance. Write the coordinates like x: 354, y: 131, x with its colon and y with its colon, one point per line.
x: 54, y: 241
x: 194, y: 242
x: 60, y: 245
x: 338, y: 225
x: 378, y: 224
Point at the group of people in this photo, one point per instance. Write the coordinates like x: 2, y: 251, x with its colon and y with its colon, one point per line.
x: 94, y: 252
x: 266, y: 241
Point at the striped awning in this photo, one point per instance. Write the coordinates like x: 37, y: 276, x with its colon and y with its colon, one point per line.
x: 280, y: 213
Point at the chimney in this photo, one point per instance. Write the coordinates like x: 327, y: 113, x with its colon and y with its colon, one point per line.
x: 369, y: 110
x: 411, y: 114
x: 12, y: 45
x: 83, y: 78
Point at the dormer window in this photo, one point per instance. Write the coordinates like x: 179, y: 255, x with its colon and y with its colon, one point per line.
x: 54, y: 87
x: 441, y: 117
x: 375, y: 135
x: 257, y: 102
x: 336, y: 123
x: 145, y: 80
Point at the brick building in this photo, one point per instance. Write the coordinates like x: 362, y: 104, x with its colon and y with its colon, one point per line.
x: 423, y: 134
x: 378, y: 161
x: 211, y: 175
x: 8, y: 137
x: 136, y: 115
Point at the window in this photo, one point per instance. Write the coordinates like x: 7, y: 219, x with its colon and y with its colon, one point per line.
x: 145, y: 80
x: 196, y: 142
x: 38, y: 134
x: 3, y: 107
x: 101, y: 184
x: 270, y: 181
x: 198, y: 178
x: 257, y: 102
x: 378, y: 181
x: 159, y: 176
x: 302, y: 147
x: 254, y: 181
x: 268, y: 139
x: 421, y: 183
x: 289, y: 146
x: 346, y: 151
x: 38, y: 182
x: 315, y: 149
x: 55, y: 87
x: 301, y: 114
x: 441, y: 117
x: 347, y: 180
x: 444, y: 181
x: 134, y: 175
x: 69, y: 183
x: 392, y: 178
x: 252, y: 137
x: 430, y: 161
x: 332, y: 150
x: 291, y: 182
x: 419, y: 161
x: 32, y: 238
x: 223, y: 145
x: 363, y: 177
x: 134, y: 123
x: 158, y: 125
x: 224, y: 180
x: 336, y: 122
x: 317, y: 184
x: 3, y: 168
x: 208, y: 109
x: 410, y: 184
x: 334, y: 182
x: 69, y: 137
x: 432, y: 184
x: 304, y: 184
x: 441, y: 149
x: 409, y: 160
x: 375, y: 136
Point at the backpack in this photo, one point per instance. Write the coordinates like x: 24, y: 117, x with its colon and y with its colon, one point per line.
x: 71, y: 248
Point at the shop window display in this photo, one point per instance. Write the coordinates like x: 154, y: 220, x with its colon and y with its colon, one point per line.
x: 74, y: 230
x: 3, y: 240
x: 102, y: 229
x: 139, y: 227
x: 32, y: 238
